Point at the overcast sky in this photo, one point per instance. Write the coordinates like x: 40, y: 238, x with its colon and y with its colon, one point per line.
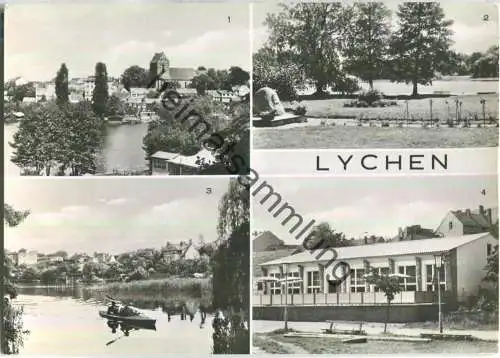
x: 472, y: 33
x: 374, y: 205
x: 87, y: 215
x: 39, y: 37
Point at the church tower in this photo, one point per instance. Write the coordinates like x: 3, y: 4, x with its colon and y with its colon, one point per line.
x: 158, y: 65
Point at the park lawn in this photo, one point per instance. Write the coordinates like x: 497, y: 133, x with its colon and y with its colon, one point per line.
x: 419, y: 109
x: 334, y: 346
x: 329, y: 137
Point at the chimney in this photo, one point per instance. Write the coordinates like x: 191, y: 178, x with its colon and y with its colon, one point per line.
x: 366, y: 240
x: 488, y: 216
x: 400, y: 233
x: 481, y: 210
x: 467, y: 211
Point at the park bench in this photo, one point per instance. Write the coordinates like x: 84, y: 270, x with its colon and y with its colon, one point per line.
x: 354, y: 331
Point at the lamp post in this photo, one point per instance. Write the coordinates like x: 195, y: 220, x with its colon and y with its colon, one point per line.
x: 483, y: 103
x: 439, y: 261
x: 285, y: 308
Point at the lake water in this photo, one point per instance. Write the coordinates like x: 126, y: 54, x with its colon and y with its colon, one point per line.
x: 68, y: 326
x: 122, y: 149
x: 455, y: 86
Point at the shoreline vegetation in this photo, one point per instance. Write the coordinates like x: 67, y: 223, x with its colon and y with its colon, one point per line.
x: 169, y: 293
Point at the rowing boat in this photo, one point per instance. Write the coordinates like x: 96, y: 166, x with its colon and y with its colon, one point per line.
x: 138, y: 320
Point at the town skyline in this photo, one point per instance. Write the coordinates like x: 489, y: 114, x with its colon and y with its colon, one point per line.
x: 471, y: 32
x: 36, y: 55
x: 96, y: 215
x: 373, y: 206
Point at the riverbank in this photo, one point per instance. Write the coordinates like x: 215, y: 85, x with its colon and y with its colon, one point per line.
x: 170, y: 292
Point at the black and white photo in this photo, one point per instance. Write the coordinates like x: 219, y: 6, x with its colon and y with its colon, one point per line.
x: 107, y: 88
x: 351, y: 265
x: 375, y: 75
x: 142, y: 268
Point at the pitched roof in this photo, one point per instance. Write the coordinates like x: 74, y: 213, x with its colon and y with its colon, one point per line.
x: 181, y: 73
x: 471, y: 219
x: 412, y: 247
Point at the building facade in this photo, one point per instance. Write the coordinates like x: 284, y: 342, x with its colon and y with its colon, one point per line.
x: 414, y: 261
x: 162, y: 73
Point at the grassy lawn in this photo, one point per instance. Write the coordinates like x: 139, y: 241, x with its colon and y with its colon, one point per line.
x: 324, y: 137
x: 442, y: 108
x: 333, y: 346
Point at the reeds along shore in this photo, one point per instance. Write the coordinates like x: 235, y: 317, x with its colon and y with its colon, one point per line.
x: 168, y: 293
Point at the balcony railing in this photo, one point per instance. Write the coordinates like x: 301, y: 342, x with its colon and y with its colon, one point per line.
x: 347, y: 298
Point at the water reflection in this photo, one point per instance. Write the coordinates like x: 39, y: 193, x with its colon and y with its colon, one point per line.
x: 76, y: 322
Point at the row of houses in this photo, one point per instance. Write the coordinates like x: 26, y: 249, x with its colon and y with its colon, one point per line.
x: 32, y: 258
x: 159, y: 70
x: 463, y: 240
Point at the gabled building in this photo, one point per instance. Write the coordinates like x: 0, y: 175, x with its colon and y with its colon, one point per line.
x: 160, y: 69
x: 181, y: 251
x: 467, y: 222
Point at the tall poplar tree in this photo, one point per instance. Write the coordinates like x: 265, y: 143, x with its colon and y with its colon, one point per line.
x: 100, y: 94
x: 62, y: 90
x: 421, y: 45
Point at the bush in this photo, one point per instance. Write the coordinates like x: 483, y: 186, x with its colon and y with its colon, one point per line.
x: 370, y: 96
x: 346, y: 85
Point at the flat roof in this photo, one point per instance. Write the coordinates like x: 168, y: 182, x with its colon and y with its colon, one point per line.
x: 398, y: 248
x: 189, y: 161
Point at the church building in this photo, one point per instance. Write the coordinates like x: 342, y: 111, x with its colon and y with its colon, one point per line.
x: 160, y: 69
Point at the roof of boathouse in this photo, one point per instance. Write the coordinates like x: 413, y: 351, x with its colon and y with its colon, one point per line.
x: 398, y: 248
x: 190, y: 161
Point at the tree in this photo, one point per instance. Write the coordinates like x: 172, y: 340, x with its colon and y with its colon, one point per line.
x: 134, y: 76
x: 282, y: 77
x: 486, y: 65
x: 100, y: 94
x: 174, y: 135
x: 62, y: 82
x: 13, y: 217
x: 389, y: 285
x: 66, y: 137
x: 202, y: 83
x: 230, y: 267
x: 369, y: 40
x: 19, y: 92
x: 312, y: 35
x: 492, y: 269
x: 420, y: 46
x: 237, y: 76
x: 12, y: 317
x: 234, y: 208
x: 322, y: 235
x: 115, y: 106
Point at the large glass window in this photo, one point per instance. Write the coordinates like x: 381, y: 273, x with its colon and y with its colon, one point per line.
x: 409, y: 277
x: 430, y: 277
x: 275, y: 286
x: 313, y: 282
x: 294, y: 287
x: 357, y: 280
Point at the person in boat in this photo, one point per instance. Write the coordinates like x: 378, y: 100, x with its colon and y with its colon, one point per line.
x: 113, y: 309
x: 127, y: 311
